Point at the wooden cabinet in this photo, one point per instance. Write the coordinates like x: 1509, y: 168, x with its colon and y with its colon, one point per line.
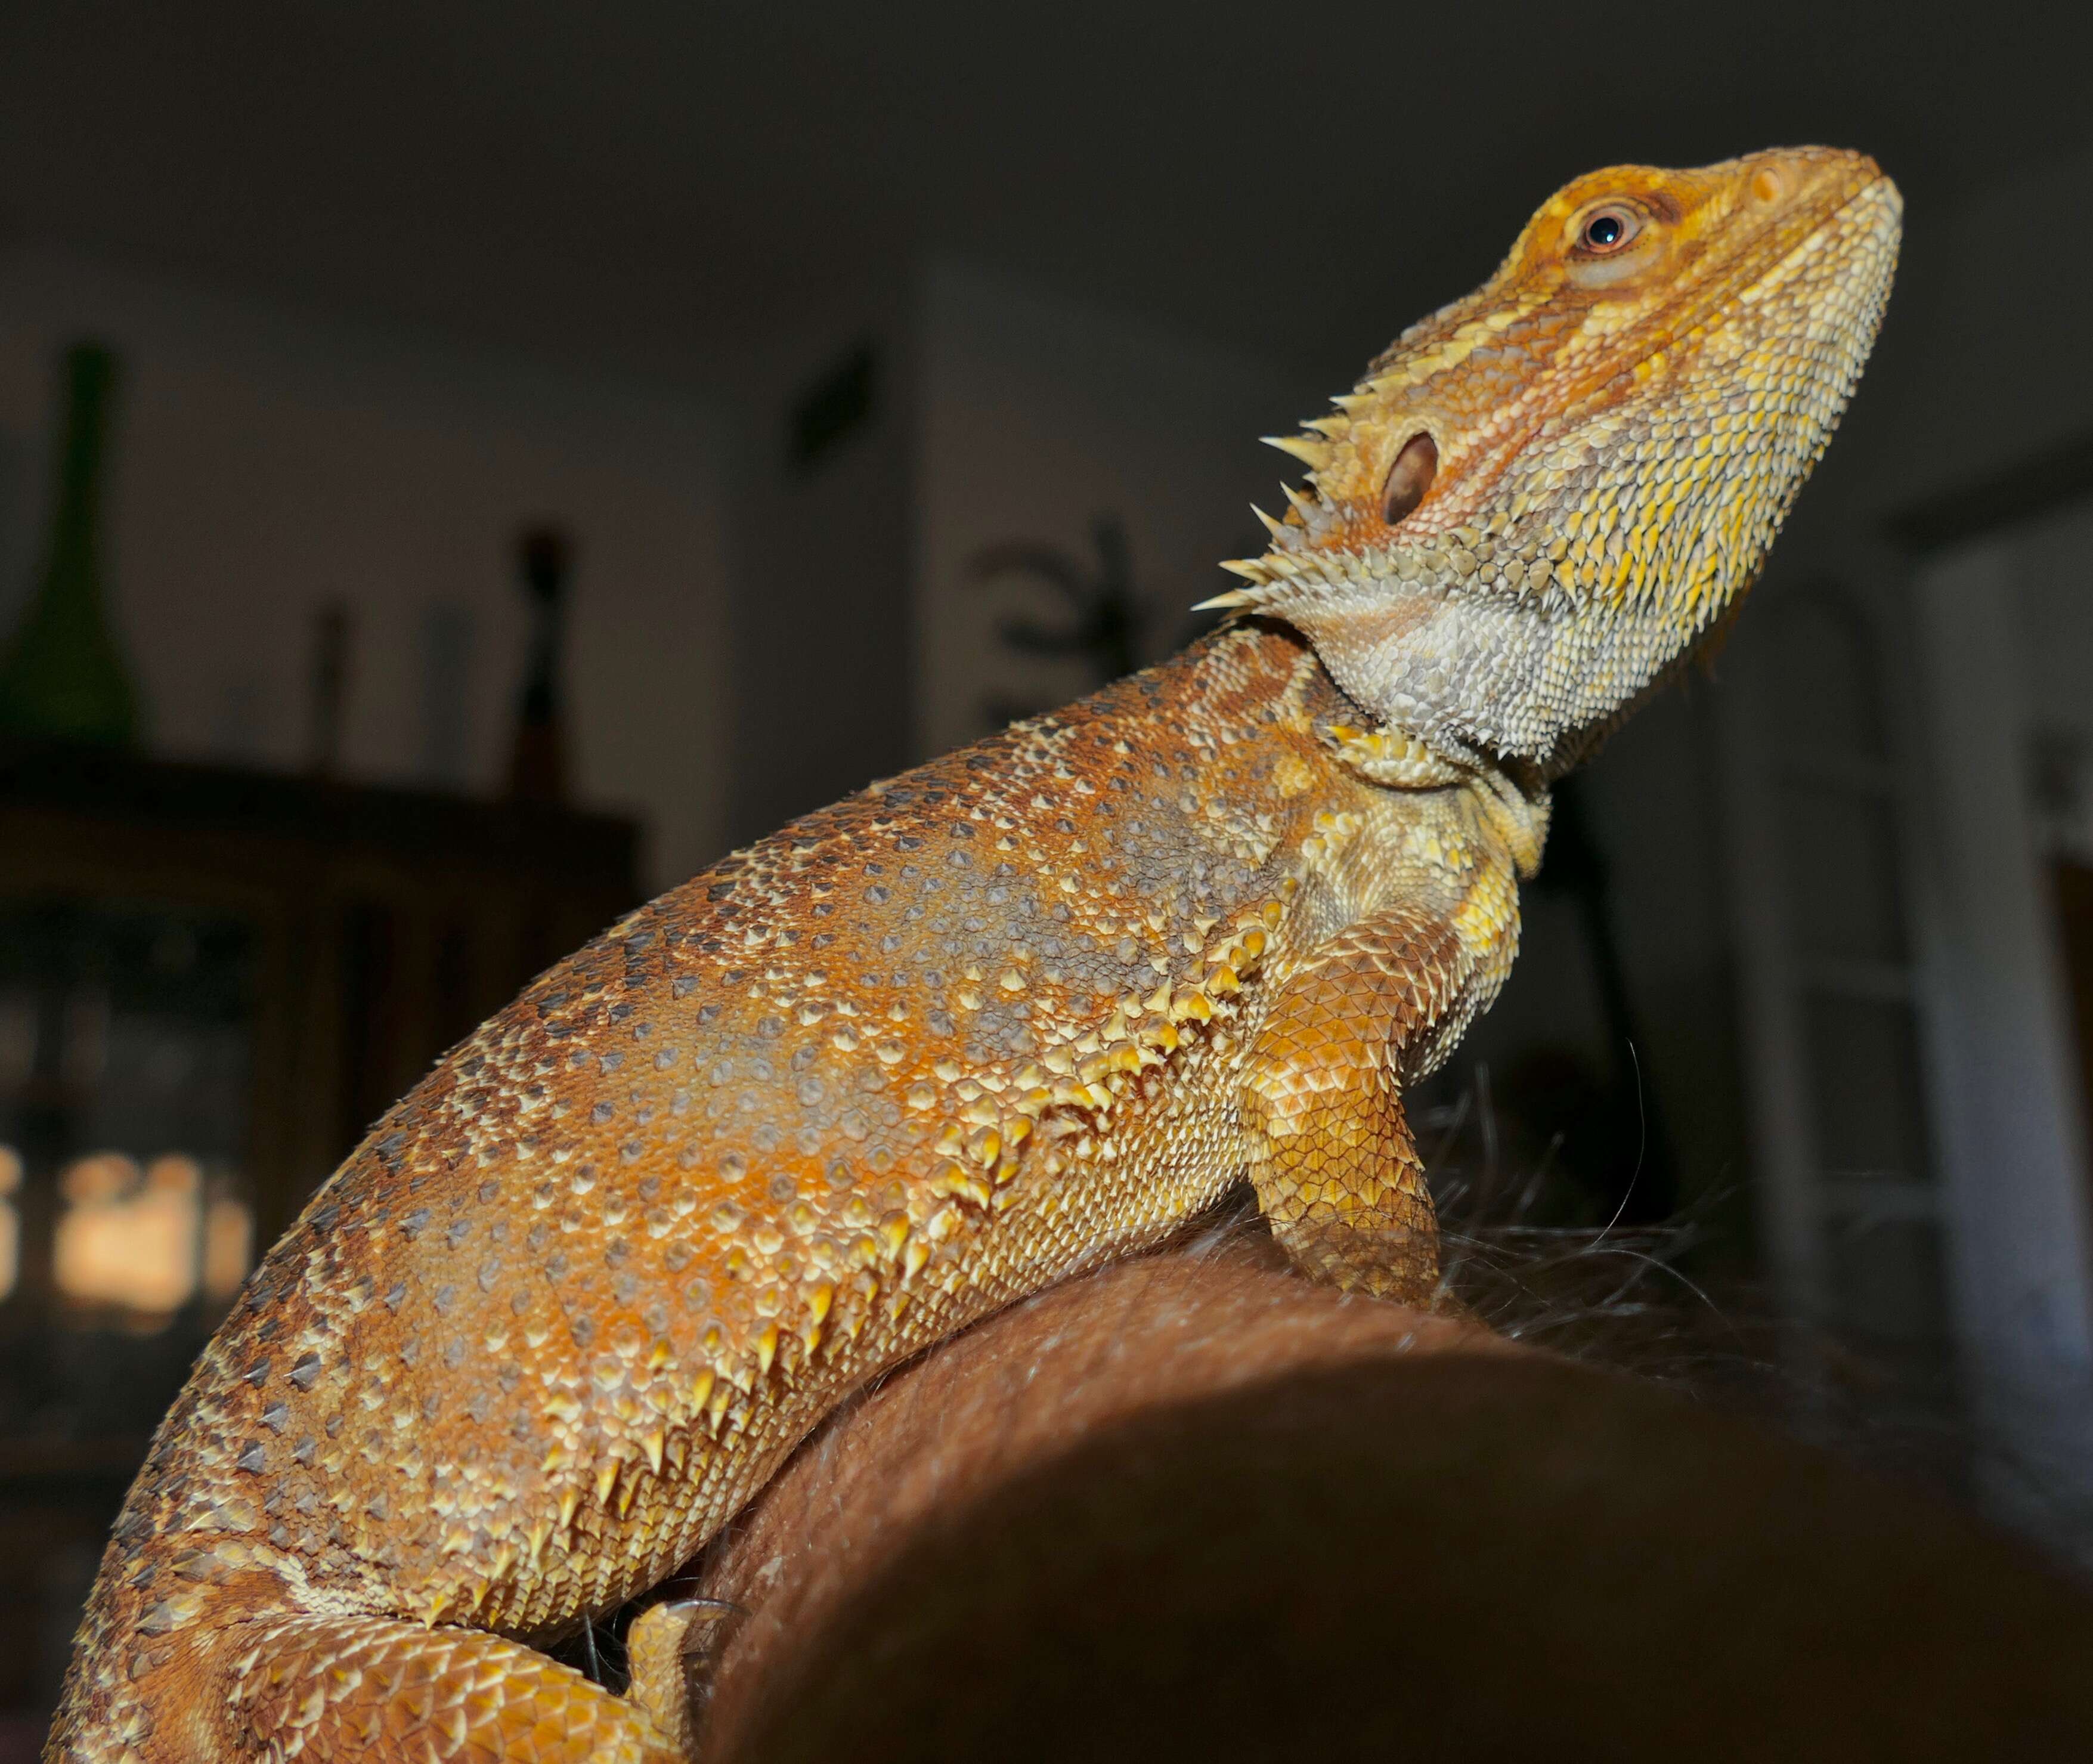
x: 211, y: 982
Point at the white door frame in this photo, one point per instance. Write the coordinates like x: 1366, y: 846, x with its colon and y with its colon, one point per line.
x: 2006, y: 1111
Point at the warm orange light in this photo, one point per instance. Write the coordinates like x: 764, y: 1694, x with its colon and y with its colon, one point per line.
x: 10, y: 1219
x: 228, y: 1244
x: 127, y: 1239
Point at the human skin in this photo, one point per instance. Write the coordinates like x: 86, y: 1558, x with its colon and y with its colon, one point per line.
x: 1194, y: 1507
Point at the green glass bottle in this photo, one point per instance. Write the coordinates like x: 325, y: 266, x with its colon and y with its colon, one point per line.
x: 62, y: 677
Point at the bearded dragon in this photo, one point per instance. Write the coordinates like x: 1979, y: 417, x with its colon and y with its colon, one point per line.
x: 1025, y: 1010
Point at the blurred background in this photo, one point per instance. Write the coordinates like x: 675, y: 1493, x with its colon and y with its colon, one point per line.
x: 464, y: 467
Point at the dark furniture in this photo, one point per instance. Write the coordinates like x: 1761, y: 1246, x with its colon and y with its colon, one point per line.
x: 211, y: 982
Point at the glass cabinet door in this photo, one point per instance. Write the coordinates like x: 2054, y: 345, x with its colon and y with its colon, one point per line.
x: 126, y: 1206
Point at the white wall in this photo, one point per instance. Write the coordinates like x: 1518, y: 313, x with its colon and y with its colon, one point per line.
x: 2006, y: 648
x: 1997, y: 366
x: 2007, y: 1104
x: 267, y: 460
x: 823, y: 673
x: 1037, y: 413
x: 1981, y: 645
x: 2053, y: 580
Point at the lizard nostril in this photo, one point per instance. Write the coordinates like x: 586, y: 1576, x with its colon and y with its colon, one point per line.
x: 1766, y: 184
x: 1409, y: 478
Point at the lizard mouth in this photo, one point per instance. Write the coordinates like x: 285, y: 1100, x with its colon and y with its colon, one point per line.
x: 1875, y: 206
x: 1880, y: 186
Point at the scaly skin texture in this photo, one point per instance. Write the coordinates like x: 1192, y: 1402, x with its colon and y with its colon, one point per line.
x: 1030, y: 1008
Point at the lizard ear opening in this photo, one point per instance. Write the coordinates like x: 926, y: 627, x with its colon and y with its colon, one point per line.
x: 1409, y: 477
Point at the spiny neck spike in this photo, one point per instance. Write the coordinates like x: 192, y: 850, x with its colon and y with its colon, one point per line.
x: 1272, y: 524
x: 1311, y: 453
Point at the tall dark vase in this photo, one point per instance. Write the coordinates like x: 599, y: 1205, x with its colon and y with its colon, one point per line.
x: 538, y: 759
x: 62, y: 676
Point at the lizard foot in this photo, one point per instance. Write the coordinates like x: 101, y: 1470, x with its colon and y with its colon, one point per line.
x: 386, y: 1691
x: 668, y: 1649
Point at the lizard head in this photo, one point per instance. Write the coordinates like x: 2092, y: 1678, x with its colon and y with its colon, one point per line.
x: 1540, y: 497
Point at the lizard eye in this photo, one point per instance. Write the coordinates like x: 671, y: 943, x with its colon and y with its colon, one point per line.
x: 1606, y: 230
x: 1409, y: 477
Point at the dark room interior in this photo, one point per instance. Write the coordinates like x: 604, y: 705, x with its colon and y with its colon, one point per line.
x: 513, y: 456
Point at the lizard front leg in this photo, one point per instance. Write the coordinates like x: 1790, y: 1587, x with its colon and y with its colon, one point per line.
x: 347, y: 1687
x: 1331, y: 1156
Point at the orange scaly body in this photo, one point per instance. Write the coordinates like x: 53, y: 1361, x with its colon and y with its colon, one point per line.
x: 1030, y: 1009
